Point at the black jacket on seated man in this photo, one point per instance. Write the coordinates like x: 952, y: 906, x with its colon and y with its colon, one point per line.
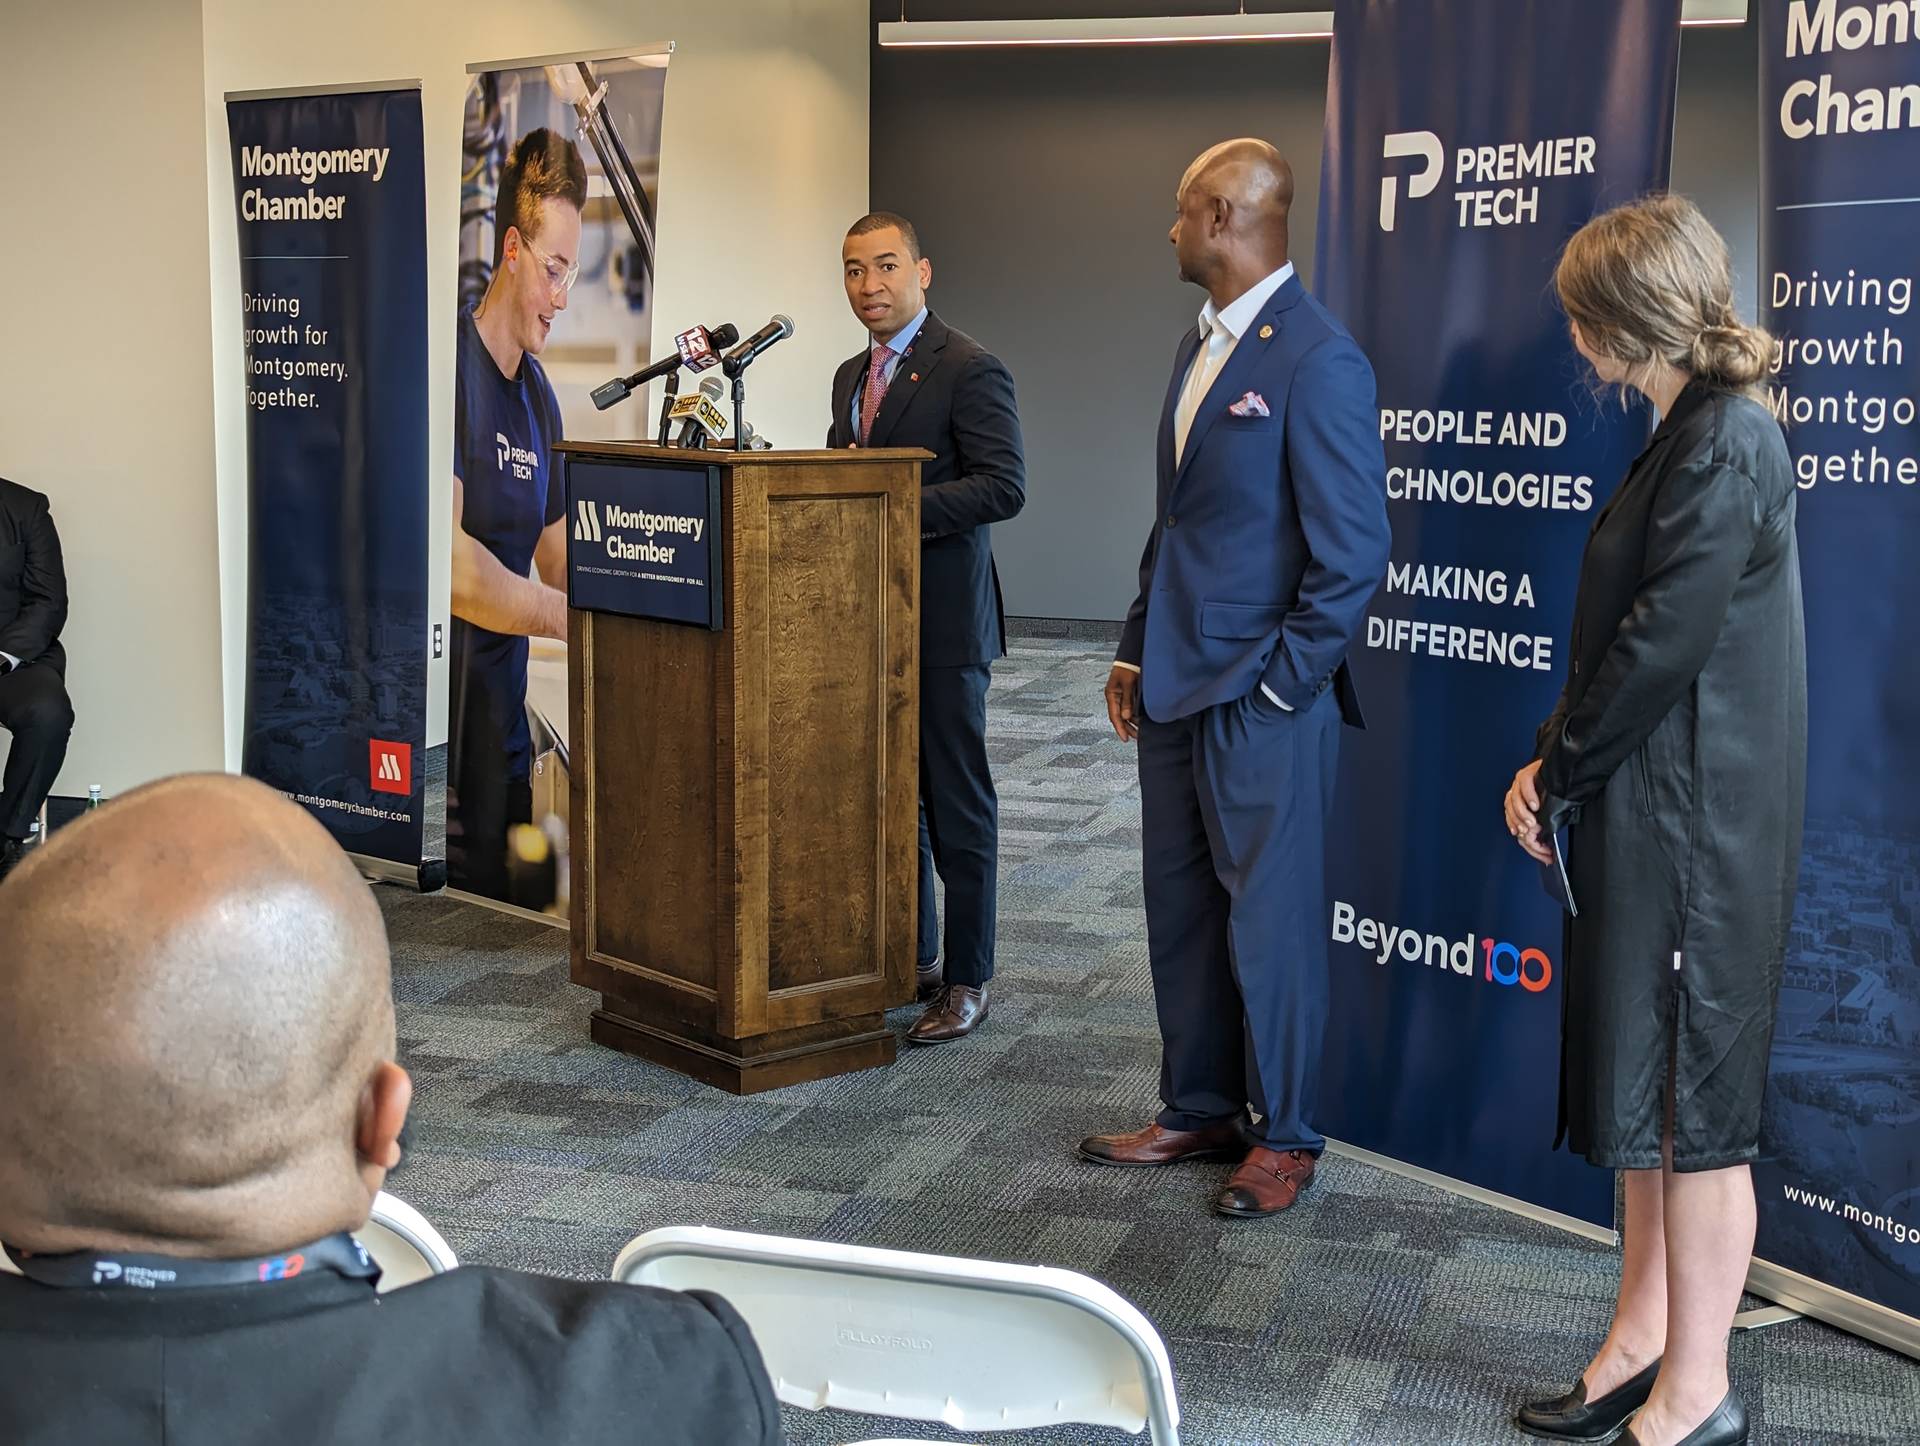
x: 472, y: 1357
x: 199, y: 1104
x: 33, y: 666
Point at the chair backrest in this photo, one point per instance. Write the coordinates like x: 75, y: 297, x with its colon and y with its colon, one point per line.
x: 975, y: 1344
x: 397, y: 1236
x: 403, y: 1244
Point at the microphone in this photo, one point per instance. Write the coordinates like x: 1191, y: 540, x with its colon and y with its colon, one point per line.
x: 699, y: 415
x: 700, y: 348
x: 699, y: 341
x: 742, y: 357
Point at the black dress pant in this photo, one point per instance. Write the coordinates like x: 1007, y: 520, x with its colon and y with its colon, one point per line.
x: 35, y: 710
x: 959, y: 821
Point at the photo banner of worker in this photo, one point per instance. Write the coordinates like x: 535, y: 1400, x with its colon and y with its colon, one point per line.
x: 1839, y: 1176
x: 559, y: 191
x: 330, y: 198
x: 1462, y: 150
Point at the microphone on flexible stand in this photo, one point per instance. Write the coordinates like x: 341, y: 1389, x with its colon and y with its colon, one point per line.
x: 697, y: 348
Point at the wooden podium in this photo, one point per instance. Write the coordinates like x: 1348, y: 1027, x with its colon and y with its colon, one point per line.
x: 745, y: 799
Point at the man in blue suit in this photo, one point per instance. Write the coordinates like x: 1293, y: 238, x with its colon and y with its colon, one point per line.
x: 1269, y: 541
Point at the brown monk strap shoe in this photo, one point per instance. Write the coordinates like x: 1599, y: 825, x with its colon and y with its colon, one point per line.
x: 1267, y: 1182
x: 960, y: 1009
x: 928, y: 979
x: 1157, y: 1145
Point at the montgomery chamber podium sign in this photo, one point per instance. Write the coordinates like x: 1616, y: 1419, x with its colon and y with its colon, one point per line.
x: 645, y: 539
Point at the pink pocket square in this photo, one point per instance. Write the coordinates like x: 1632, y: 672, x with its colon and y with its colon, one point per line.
x: 1251, y: 405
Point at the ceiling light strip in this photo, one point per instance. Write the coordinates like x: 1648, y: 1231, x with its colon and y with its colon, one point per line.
x: 1175, y: 29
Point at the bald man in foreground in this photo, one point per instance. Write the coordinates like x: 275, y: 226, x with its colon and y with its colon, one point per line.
x: 199, y: 1103
x: 1269, y: 539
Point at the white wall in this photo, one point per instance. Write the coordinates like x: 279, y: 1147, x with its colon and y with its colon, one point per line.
x: 763, y: 165
x: 105, y: 385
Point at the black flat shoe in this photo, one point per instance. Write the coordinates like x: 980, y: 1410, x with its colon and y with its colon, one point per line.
x: 1573, y: 1417
x: 1727, y: 1426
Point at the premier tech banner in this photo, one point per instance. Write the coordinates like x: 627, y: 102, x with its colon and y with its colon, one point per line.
x: 1839, y: 1181
x: 1464, y: 145
x: 330, y: 195
x: 559, y: 191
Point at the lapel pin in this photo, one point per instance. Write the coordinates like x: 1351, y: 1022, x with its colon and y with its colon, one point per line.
x: 1266, y: 333
x: 914, y: 377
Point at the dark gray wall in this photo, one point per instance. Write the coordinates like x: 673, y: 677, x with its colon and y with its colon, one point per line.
x: 1042, y: 184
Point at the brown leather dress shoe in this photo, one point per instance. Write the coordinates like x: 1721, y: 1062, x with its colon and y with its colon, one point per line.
x: 929, y: 979
x: 1157, y: 1145
x: 960, y: 1009
x: 1267, y: 1182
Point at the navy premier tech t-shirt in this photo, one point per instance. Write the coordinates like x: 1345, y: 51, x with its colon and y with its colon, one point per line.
x: 504, y: 430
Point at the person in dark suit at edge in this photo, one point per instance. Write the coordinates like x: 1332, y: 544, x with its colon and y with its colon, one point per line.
x: 196, y: 1055
x: 1269, y: 539
x: 921, y: 384
x: 34, y: 706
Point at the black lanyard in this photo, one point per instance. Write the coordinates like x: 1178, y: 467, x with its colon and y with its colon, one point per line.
x: 98, y: 1270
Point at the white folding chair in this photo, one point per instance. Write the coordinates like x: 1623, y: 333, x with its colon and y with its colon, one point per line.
x: 403, y: 1244
x: 978, y: 1345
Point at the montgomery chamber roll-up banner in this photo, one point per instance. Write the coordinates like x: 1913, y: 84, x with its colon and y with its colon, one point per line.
x: 559, y: 190
x: 1839, y: 1178
x: 1466, y: 141
x: 330, y: 195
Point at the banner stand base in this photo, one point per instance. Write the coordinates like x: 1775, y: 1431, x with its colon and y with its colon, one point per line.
x: 1766, y: 1315
x: 505, y: 908
x: 1850, y: 1313
x: 1508, y: 1203
x: 429, y: 876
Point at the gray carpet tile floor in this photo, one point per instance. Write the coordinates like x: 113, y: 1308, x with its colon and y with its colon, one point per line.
x: 1379, y: 1310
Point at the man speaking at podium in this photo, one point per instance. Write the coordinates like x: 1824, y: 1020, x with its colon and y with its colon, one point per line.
x: 920, y: 384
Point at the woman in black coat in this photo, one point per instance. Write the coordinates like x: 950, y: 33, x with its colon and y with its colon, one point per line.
x: 1676, y: 761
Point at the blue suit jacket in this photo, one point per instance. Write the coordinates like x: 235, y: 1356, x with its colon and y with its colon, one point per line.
x: 1271, y: 535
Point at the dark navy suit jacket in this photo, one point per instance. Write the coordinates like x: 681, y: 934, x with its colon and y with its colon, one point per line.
x: 33, y: 579
x: 953, y: 397
x: 1271, y: 535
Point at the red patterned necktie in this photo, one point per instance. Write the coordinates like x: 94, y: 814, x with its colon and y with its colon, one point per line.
x: 877, y: 381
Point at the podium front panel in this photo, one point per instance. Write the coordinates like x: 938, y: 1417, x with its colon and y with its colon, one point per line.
x: 826, y: 726
x: 650, y: 780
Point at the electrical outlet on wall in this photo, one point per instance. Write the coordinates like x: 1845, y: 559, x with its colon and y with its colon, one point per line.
x: 439, y: 640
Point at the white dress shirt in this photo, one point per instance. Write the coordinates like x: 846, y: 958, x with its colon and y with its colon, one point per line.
x: 1220, y: 329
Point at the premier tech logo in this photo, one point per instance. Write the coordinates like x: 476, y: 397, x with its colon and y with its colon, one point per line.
x: 1495, y: 185
x: 1492, y: 961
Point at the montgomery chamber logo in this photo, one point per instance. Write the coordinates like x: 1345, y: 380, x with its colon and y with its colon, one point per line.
x: 390, y: 766
x: 586, y: 521
x: 1492, y: 961
x: 1485, y: 177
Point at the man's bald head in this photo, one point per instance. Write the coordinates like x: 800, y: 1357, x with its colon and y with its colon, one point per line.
x: 1233, y: 204
x: 196, y: 1030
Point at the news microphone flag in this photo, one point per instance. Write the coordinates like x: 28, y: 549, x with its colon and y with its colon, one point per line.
x: 696, y: 349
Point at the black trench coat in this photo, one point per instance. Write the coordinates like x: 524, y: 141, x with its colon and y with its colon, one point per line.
x: 1677, y: 759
